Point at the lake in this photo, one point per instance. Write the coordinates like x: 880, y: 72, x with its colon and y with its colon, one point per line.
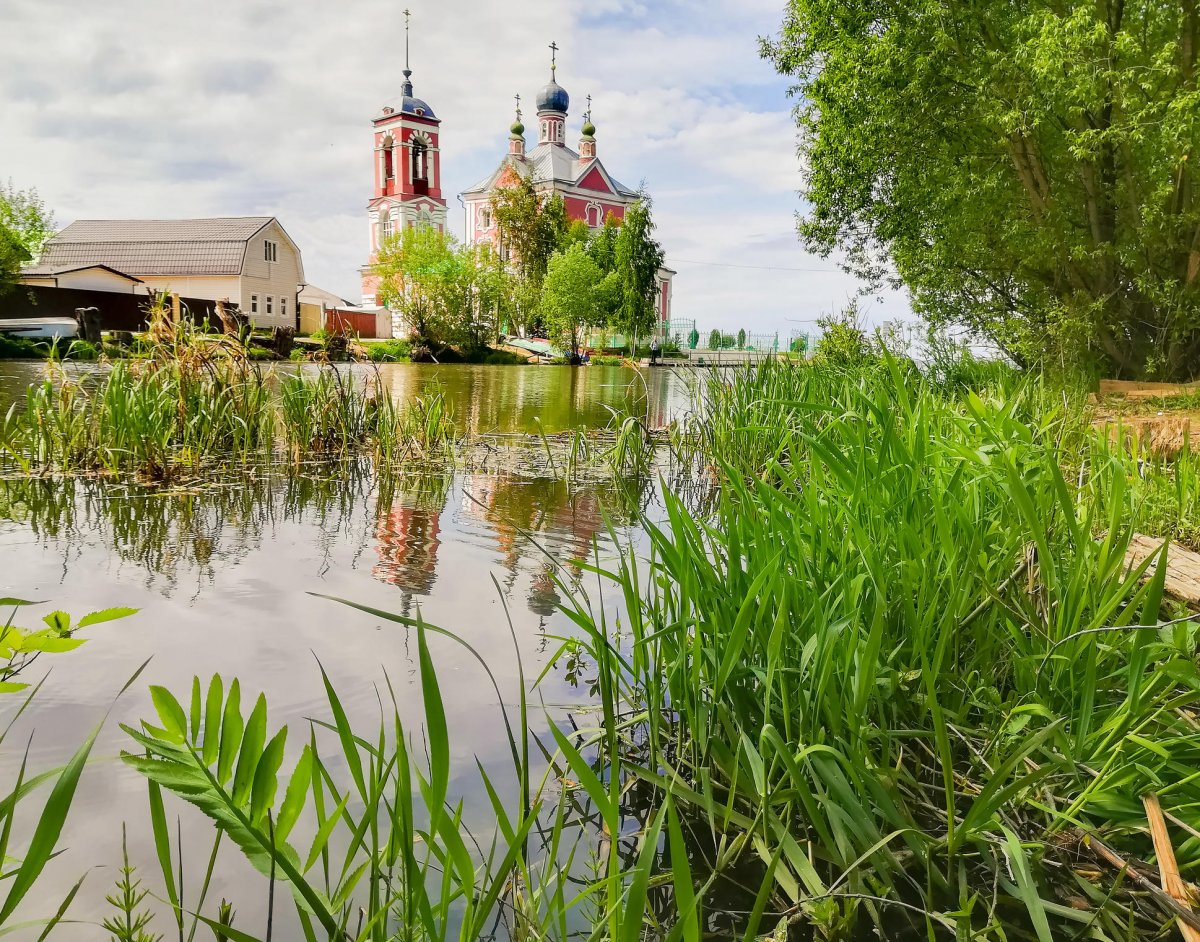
x: 223, y: 573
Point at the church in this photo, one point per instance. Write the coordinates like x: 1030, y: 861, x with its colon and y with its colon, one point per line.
x: 408, y: 175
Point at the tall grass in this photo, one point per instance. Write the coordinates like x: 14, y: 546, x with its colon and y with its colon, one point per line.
x: 158, y: 418
x: 904, y: 668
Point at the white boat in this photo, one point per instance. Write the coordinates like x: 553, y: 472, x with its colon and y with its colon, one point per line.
x: 40, y: 328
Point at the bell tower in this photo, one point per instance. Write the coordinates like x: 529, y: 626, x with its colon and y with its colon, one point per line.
x: 407, y: 169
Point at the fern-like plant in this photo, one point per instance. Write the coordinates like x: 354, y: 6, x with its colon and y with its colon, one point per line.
x: 131, y: 922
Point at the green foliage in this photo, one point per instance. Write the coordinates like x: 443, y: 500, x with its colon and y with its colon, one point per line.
x: 1027, y: 169
x: 693, y: 339
x: 25, y: 225
x: 161, y: 418
x: 24, y: 868
x: 843, y: 344
x: 389, y: 351
x: 570, y: 302
x: 446, y: 293
x: 420, y: 277
x: 131, y: 922
x: 24, y: 213
x: 714, y: 339
x: 20, y: 647
x: 638, y: 258
x: 741, y: 339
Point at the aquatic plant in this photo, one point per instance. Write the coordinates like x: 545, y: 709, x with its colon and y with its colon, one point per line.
x: 906, y: 660
x: 159, y: 418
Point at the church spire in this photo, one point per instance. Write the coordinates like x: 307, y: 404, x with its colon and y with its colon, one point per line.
x: 516, y: 142
x: 408, y: 85
x: 587, y: 143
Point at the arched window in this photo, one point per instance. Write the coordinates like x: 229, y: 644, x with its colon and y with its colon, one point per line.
x: 593, y: 216
x: 389, y: 168
x: 386, y: 227
x: 420, y: 166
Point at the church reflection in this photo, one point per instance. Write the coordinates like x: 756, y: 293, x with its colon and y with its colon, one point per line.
x: 414, y: 529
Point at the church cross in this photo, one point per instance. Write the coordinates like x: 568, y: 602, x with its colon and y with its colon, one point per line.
x: 407, y: 16
x: 553, y: 58
x: 589, y: 111
x: 518, y: 98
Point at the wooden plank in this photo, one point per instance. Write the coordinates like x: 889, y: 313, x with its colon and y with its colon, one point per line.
x: 1168, y: 869
x: 1131, y: 390
x: 1183, y: 566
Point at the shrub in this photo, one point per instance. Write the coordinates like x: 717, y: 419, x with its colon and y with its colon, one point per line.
x: 389, y: 351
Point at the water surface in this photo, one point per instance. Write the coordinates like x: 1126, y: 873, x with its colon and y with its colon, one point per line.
x: 223, y: 575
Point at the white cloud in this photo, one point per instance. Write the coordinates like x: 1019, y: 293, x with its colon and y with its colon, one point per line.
x: 164, y: 108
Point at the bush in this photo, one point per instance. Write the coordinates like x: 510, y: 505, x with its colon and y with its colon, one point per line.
x: 605, y: 359
x: 389, y: 351
x: 19, y: 348
x: 503, y: 358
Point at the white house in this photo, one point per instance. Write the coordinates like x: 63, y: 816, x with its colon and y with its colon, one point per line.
x: 248, y: 260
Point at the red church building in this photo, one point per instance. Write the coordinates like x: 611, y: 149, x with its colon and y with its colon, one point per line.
x: 589, y: 192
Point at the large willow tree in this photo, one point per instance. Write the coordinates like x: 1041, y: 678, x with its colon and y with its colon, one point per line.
x: 1026, y: 167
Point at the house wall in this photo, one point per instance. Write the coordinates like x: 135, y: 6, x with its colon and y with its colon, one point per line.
x: 209, y: 287
x: 98, y: 279
x: 312, y: 317
x: 278, y: 279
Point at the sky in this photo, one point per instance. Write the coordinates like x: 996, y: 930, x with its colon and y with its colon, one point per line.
x: 166, y: 108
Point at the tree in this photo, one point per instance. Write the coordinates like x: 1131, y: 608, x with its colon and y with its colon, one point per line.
x: 1025, y: 169
x: 741, y: 339
x: 714, y: 340
x: 693, y: 339
x: 637, y: 256
x: 421, y: 278
x: 25, y: 225
x: 569, y: 297
x: 531, y: 229
x: 24, y: 213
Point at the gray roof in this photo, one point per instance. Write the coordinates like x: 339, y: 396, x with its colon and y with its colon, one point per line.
x: 550, y: 163
x: 311, y: 294
x: 215, y: 246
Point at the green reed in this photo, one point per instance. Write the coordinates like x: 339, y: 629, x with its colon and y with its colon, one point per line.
x: 904, y: 667
x: 160, y: 417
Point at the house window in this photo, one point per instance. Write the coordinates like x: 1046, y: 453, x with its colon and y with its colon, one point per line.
x: 270, y: 251
x: 593, y: 216
x: 283, y: 307
x: 254, y: 304
x: 270, y: 305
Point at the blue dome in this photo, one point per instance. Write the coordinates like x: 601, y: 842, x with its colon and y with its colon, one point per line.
x: 553, y: 98
x: 410, y: 104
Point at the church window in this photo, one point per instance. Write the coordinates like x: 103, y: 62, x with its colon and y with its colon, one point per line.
x: 420, y: 171
x: 593, y: 216
x: 389, y: 169
x: 485, y: 218
x: 388, y: 225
